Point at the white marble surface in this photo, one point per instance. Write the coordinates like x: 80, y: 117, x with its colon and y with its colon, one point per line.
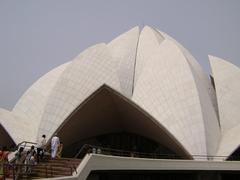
x: 154, y: 71
x: 227, y: 83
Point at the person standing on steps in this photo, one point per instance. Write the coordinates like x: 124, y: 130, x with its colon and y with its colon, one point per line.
x: 59, y: 151
x: 55, y: 142
x: 20, y: 159
x: 41, y: 147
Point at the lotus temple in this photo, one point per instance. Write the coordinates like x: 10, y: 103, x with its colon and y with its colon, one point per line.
x: 144, y: 102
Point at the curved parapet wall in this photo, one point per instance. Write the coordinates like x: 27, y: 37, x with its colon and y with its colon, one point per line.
x: 97, y: 162
x: 226, y: 79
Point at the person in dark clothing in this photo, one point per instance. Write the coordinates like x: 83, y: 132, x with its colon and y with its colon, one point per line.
x: 41, y: 146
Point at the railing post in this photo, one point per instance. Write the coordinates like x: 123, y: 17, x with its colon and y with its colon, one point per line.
x: 46, y: 173
x: 51, y: 170
x: 13, y: 171
x: 2, y: 167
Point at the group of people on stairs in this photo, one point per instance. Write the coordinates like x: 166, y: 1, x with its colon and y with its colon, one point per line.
x: 25, y: 157
x: 35, y: 154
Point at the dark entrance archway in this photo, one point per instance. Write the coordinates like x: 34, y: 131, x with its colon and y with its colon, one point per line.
x: 235, y: 156
x: 124, y: 143
x: 6, y: 140
x: 107, y: 112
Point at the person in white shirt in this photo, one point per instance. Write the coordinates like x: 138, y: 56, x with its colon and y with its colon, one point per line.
x: 54, y: 146
x: 41, y: 146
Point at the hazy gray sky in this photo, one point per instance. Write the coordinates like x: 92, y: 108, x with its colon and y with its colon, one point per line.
x: 36, y: 36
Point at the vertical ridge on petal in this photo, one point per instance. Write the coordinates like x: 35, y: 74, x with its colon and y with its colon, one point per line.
x: 123, y: 50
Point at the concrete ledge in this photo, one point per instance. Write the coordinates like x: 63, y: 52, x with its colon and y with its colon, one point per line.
x: 93, y: 162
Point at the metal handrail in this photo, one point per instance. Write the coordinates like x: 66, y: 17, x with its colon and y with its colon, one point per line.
x: 87, y: 148
x: 82, y: 149
x: 25, y: 144
x: 118, y: 152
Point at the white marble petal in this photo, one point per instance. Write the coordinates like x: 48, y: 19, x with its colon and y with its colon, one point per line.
x: 32, y: 103
x: 207, y: 97
x: 166, y: 89
x: 227, y: 78
x: 123, y: 50
x: 19, y: 129
x: 87, y: 72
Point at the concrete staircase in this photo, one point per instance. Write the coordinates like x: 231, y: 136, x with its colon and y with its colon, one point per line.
x: 50, y: 168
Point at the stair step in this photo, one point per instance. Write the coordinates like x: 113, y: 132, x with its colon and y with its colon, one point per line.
x: 55, y: 162
x: 64, y: 159
x: 59, y: 163
x: 55, y: 168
